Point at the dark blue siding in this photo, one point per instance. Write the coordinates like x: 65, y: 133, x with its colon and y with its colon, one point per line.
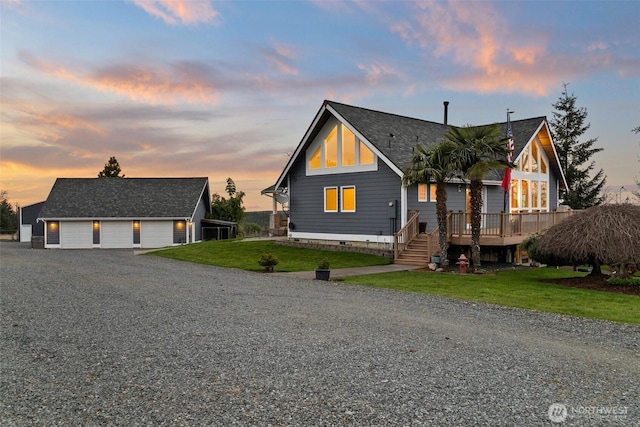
x: 374, y: 191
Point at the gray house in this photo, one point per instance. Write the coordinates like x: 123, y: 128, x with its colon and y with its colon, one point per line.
x: 343, y: 182
x: 124, y: 212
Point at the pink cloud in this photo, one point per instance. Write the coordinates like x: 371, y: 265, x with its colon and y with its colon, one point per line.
x: 282, y: 56
x: 377, y: 73
x: 182, y: 81
x: 174, y: 12
x: 477, y: 39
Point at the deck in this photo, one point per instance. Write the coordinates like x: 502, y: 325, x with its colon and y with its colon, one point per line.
x: 497, y: 229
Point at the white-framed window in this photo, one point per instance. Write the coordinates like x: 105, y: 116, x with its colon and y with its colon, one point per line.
x: 331, y: 199
x: 423, y: 192
x: 337, y: 149
x: 348, y: 198
x: 530, y: 180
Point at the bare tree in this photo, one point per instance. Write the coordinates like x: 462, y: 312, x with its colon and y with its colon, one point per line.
x: 606, y: 234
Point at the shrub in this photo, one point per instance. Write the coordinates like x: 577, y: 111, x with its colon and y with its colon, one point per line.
x: 323, y: 264
x: 619, y: 281
x: 268, y: 261
x: 251, y: 229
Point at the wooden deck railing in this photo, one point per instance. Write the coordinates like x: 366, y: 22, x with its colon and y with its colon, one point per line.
x: 402, y: 238
x: 506, y: 225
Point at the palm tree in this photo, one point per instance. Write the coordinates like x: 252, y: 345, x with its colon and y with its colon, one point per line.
x: 433, y: 164
x: 478, y: 151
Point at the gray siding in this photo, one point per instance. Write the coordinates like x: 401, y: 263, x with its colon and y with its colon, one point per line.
x: 201, y: 211
x: 495, y: 199
x: 374, y: 191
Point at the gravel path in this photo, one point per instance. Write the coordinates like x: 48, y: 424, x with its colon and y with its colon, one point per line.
x: 104, y: 337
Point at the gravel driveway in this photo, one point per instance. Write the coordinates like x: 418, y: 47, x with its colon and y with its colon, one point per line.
x: 103, y: 337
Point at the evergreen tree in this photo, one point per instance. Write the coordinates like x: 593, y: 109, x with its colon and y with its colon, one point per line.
x: 567, y: 126
x: 111, y: 169
x: 230, y: 209
x: 8, y: 216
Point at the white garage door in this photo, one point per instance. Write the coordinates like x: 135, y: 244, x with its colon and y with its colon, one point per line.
x: 116, y: 234
x: 76, y: 234
x: 156, y: 234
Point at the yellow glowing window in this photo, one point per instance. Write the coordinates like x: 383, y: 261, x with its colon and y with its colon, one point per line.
x: 525, y: 161
x: 534, y: 194
x: 514, y: 194
x: 534, y: 157
x: 331, y: 199
x: 366, y: 155
x: 524, y: 194
x: 432, y: 193
x: 348, y: 199
x: 314, y: 160
x: 331, y: 149
x: 543, y: 165
x: 348, y: 147
x: 422, y: 192
x: 543, y: 195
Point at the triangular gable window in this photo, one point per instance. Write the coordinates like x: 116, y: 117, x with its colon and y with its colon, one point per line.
x: 337, y: 149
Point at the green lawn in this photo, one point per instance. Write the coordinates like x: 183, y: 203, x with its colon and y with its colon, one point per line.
x: 513, y: 288
x: 244, y: 255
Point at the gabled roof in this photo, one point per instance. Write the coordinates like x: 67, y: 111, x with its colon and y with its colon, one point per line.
x: 135, y: 198
x: 395, y: 137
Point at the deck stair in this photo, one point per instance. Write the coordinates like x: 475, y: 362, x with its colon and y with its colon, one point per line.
x: 417, y: 252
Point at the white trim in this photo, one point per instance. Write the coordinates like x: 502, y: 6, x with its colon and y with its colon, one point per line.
x: 325, y: 199
x: 342, y: 209
x: 377, y: 152
x: 372, y: 239
x: 403, y: 206
x: 426, y: 192
x: 319, y: 143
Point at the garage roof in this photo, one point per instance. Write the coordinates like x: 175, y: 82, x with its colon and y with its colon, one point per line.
x: 125, y: 198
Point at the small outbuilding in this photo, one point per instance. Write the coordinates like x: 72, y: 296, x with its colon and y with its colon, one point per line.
x: 85, y: 213
x: 29, y: 225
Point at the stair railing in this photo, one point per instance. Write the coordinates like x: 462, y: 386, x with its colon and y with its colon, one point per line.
x: 402, y: 238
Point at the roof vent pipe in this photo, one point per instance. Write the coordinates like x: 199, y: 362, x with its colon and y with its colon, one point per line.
x: 446, y: 112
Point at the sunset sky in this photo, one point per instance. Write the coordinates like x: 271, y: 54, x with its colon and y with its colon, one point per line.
x: 177, y: 88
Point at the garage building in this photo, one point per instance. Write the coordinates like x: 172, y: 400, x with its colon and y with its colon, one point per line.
x: 85, y: 213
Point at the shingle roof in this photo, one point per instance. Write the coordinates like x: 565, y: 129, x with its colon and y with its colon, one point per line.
x: 396, y: 136
x: 125, y: 197
x: 407, y: 132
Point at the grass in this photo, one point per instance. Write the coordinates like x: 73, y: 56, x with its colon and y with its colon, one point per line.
x: 514, y: 288
x: 244, y: 255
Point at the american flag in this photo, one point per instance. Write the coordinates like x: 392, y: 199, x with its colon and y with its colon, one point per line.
x: 506, y: 179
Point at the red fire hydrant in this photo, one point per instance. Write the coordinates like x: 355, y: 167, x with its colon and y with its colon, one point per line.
x: 462, y: 264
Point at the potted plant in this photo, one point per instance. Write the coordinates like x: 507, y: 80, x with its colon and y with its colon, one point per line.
x: 268, y: 261
x: 323, y: 272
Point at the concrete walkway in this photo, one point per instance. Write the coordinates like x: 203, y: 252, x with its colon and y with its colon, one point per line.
x: 354, y: 271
